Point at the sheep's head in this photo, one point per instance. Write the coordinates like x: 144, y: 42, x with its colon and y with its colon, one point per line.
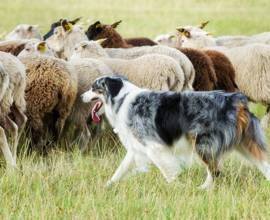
x: 89, y: 49
x: 166, y: 39
x: 24, y: 31
x: 57, y: 24
x: 195, y: 36
x: 65, y: 37
x: 98, y: 30
x: 36, y: 48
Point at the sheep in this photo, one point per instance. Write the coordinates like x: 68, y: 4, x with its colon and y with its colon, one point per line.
x: 13, y: 46
x: 57, y: 24
x: 205, y: 76
x: 152, y: 71
x: 136, y: 52
x: 169, y: 40
x: 114, y: 40
x: 4, y: 83
x: 199, y: 75
x: 86, y: 70
x: 223, y: 67
x: 64, y: 39
x: 24, y: 31
x: 51, y: 89
x: 13, y: 103
x: 252, y: 64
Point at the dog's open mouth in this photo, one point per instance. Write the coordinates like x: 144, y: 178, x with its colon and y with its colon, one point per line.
x: 94, y: 113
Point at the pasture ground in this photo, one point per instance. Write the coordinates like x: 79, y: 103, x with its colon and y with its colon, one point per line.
x: 68, y: 185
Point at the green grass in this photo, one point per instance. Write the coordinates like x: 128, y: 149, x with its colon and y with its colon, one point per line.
x: 68, y: 185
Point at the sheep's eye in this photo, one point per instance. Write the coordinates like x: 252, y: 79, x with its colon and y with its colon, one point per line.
x: 17, y: 31
x: 27, y: 49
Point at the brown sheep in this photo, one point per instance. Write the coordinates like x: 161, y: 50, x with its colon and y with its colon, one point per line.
x: 140, y: 41
x: 205, y: 76
x: 13, y: 46
x: 51, y: 89
x: 224, y: 71
x: 113, y: 38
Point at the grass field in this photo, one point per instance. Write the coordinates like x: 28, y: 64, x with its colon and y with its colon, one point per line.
x: 68, y: 185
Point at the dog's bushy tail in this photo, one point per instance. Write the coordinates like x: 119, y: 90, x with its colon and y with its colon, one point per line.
x: 250, y: 132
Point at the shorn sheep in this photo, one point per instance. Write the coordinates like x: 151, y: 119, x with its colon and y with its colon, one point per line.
x: 98, y: 31
x: 152, y: 71
x: 24, y: 31
x: 252, y: 64
x: 86, y: 70
x: 13, y: 103
x: 51, y: 90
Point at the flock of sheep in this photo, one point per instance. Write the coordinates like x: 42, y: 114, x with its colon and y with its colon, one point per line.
x: 42, y: 78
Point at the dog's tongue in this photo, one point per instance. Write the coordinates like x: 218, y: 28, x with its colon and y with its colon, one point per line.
x: 95, y: 117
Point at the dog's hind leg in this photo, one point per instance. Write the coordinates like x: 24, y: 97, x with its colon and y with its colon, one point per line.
x: 142, y: 162
x: 123, y: 169
x: 166, y: 161
x: 208, y: 153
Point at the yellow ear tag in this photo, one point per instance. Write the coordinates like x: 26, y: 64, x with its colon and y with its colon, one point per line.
x: 68, y: 26
x: 42, y: 47
x: 187, y: 34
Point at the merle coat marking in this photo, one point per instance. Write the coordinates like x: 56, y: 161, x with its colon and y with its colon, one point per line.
x: 160, y: 127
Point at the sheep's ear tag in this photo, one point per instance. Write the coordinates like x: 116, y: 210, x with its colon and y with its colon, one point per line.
x: 67, y: 25
x: 187, y: 34
x: 42, y: 47
x: 100, y: 41
x: 203, y: 24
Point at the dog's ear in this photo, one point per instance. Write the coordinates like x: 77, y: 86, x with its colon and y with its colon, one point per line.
x: 113, y: 85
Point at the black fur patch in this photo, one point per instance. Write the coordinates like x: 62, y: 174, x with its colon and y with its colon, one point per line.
x: 93, y: 31
x: 169, y: 119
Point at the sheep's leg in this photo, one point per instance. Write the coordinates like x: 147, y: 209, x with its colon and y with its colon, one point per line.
x: 20, y: 120
x: 37, y: 128
x: 5, y: 149
x: 83, y: 135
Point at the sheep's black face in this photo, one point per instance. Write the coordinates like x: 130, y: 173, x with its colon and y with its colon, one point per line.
x: 94, y: 30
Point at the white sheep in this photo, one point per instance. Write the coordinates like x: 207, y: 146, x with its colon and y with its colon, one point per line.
x: 4, y: 83
x: 154, y: 71
x: 131, y: 53
x: 13, y: 101
x: 64, y: 39
x: 24, y: 31
x: 169, y: 40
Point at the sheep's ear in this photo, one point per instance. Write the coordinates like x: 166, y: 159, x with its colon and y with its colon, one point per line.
x: 209, y: 34
x: 180, y: 30
x: 100, y: 41
x: 115, y: 24
x: 66, y: 25
x: 203, y: 24
x: 41, y: 47
x: 75, y: 21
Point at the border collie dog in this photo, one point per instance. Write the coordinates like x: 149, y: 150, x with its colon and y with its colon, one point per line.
x: 157, y: 127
